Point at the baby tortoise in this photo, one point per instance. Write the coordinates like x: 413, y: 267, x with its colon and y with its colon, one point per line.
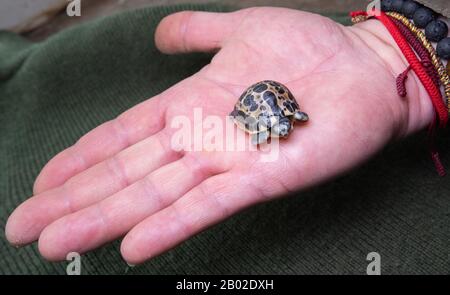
x: 267, y: 109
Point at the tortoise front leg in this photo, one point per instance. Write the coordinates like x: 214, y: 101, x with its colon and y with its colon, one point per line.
x: 260, y: 138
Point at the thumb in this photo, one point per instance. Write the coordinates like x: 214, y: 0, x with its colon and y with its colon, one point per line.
x: 194, y: 31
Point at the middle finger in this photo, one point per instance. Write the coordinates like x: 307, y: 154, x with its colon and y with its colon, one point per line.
x: 92, y: 185
x: 114, y: 216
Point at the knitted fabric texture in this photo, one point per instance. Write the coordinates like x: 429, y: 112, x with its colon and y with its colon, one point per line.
x: 440, y: 6
x: 53, y: 92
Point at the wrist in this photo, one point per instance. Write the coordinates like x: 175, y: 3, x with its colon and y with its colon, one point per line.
x: 415, y: 111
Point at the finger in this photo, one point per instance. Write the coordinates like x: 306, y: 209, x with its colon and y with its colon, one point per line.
x: 191, y: 31
x: 89, y: 187
x: 102, y: 142
x: 210, y: 202
x: 114, y: 216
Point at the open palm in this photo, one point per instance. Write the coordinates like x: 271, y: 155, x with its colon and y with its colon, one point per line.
x: 124, y: 178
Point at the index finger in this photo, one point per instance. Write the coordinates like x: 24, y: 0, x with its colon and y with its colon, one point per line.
x: 132, y: 126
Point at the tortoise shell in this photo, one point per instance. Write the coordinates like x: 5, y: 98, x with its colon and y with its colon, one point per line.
x: 264, y: 104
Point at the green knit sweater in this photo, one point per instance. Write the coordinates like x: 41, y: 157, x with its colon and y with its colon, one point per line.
x: 441, y: 6
x: 53, y: 92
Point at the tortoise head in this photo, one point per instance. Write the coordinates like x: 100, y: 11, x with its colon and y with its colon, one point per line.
x: 301, y: 116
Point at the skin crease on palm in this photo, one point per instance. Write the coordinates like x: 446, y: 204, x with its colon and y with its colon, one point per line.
x: 122, y: 179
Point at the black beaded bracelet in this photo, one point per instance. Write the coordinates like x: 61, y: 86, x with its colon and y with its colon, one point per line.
x: 424, y: 18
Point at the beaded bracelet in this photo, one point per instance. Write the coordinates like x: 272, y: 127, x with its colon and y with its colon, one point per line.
x: 407, y: 35
x: 435, y: 31
x: 432, y: 90
x: 424, y: 18
x: 421, y: 36
x: 443, y: 74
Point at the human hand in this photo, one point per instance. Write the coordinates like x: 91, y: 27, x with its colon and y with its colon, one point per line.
x: 123, y: 178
